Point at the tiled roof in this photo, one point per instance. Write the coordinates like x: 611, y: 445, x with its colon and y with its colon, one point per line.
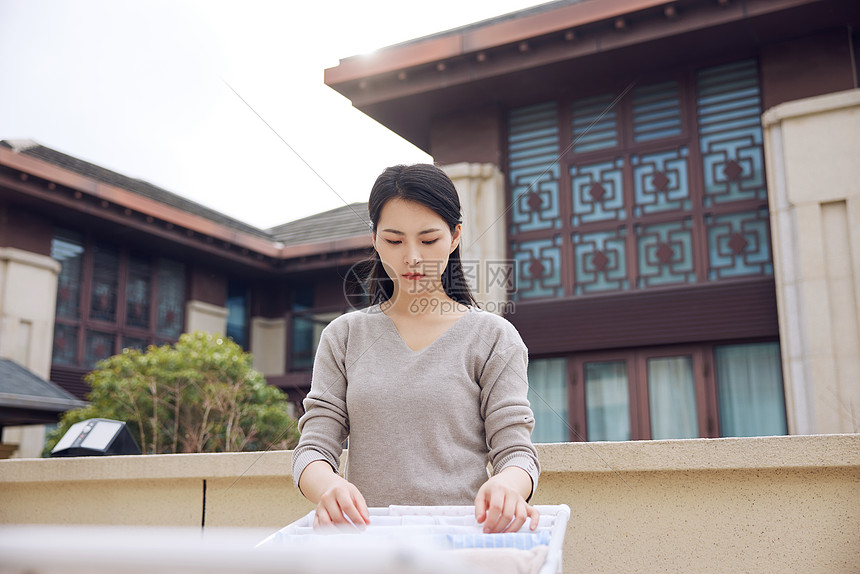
x: 21, y: 388
x: 339, y: 223
x: 146, y: 189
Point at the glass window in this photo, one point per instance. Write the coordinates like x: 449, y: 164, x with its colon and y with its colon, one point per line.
x: 108, y: 296
x: 672, y: 398
x: 67, y: 247
x: 138, y: 292
x: 237, y: 313
x: 303, y: 297
x: 548, y: 399
x: 65, y: 349
x: 638, y: 208
x: 134, y: 343
x: 98, y: 346
x: 750, y: 390
x: 105, y: 280
x: 607, y: 400
x: 171, y: 298
x: 307, y: 329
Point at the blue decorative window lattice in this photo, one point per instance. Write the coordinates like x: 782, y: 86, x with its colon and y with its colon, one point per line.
x: 600, y: 261
x: 665, y: 253
x: 656, y: 111
x: 598, y: 192
x: 594, y: 124
x: 659, y: 186
x: 738, y: 245
x: 728, y: 103
x: 538, y: 268
x: 533, y: 150
x: 660, y: 182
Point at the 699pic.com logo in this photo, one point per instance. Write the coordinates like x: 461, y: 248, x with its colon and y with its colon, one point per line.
x: 359, y: 287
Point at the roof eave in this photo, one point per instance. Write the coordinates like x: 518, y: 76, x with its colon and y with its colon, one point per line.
x: 52, y: 404
x: 472, y: 40
x: 134, y: 202
x: 405, y: 85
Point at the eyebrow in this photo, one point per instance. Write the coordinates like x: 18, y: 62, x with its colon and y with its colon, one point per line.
x: 425, y: 232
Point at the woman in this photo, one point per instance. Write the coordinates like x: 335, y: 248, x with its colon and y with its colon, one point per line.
x: 427, y: 387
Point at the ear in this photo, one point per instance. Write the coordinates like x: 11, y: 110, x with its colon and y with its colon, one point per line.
x: 455, y: 237
x: 373, y: 239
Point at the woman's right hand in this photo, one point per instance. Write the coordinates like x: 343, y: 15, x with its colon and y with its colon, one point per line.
x: 341, y: 505
x: 339, y: 502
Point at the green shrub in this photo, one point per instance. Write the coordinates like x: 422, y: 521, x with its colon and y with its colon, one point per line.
x: 198, y: 395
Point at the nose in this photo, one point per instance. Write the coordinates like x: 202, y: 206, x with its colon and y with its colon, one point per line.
x: 413, y: 256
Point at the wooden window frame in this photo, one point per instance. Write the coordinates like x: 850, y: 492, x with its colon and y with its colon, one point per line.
x: 118, y: 329
x: 625, y: 149
x: 636, y: 360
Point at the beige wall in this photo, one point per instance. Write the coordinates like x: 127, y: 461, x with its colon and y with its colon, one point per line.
x: 481, y: 188
x: 812, y: 148
x: 766, y: 504
x: 28, y: 298
x: 269, y: 345
x: 200, y: 316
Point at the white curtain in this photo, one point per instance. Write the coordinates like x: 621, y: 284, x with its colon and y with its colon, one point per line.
x: 749, y: 384
x: 548, y: 398
x: 607, y: 401
x: 672, y: 398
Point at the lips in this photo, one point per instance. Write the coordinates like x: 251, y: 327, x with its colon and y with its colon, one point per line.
x: 413, y: 276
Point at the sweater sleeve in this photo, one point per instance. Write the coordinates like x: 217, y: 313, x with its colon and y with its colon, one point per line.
x: 325, y: 424
x: 508, y: 418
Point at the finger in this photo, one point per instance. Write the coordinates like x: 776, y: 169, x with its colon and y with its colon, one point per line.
x: 481, y: 506
x: 520, y: 517
x: 494, y: 512
x: 361, y: 505
x: 349, y: 510
x: 333, y: 513
x: 509, y: 510
x: 321, y: 518
x: 534, y: 515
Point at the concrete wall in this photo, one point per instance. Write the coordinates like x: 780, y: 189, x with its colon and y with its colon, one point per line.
x: 813, y: 167
x: 766, y: 504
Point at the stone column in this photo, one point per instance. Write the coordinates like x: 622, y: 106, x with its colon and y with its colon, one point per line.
x: 483, y: 247
x: 28, y: 300
x: 812, y: 149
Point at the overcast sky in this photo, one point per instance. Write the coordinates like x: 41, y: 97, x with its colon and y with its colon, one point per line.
x: 141, y: 88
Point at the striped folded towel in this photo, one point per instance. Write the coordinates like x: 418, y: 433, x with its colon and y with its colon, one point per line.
x: 518, y: 540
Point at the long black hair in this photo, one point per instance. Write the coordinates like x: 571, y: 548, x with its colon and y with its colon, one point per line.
x: 431, y: 187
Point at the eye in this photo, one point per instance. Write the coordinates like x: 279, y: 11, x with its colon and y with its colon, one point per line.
x: 393, y: 241
x: 430, y: 241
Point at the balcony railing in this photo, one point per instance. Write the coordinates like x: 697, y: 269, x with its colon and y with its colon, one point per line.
x: 766, y: 504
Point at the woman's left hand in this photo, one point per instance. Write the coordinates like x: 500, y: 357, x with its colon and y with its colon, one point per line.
x: 500, y: 505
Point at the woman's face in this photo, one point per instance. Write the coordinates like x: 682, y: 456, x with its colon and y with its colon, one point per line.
x: 414, y: 244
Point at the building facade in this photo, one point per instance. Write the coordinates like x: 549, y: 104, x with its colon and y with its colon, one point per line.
x: 684, y: 263
x: 92, y: 262
x: 661, y: 196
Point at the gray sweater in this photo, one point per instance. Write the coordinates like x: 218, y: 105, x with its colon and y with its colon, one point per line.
x: 422, y: 425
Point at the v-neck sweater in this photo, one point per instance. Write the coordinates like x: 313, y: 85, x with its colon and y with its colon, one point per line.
x: 422, y: 425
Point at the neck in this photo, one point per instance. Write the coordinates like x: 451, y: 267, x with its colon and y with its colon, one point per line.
x: 433, y: 301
